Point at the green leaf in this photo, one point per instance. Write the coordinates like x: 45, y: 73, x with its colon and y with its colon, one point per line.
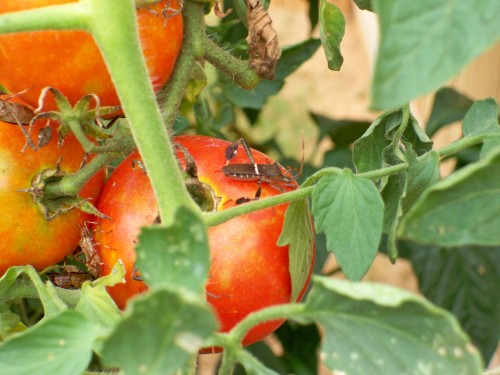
x: 368, y: 150
x: 373, y: 329
x: 341, y: 132
x: 291, y: 58
x: 331, y: 30
x: 9, y: 322
x: 364, y: 4
x: 340, y: 157
x: 380, y: 146
x: 463, y: 209
x: 52, y: 303
x: 167, y: 326
x: 464, y: 281
x: 393, y: 193
x: 449, y: 106
x: 350, y: 211
x: 61, y: 344
x: 177, y: 256
x: 416, y: 136
x: 425, y: 43
x: 298, y: 233
x: 489, y: 145
x: 300, y: 347
x: 313, y: 13
x: 421, y: 173
x: 482, y: 118
x: 95, y: 304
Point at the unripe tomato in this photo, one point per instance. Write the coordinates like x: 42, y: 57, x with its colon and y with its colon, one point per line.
x: 26, y: 235
x: 248, y: 270
x: 70, y: 60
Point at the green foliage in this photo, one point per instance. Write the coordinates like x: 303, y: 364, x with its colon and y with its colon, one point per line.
x: 374, y: 329
x: 298, y: 234
x: 349, y: 210
x: 464, y: 281
x: 391, y: 185
x: 447, y: 213
x: 151, y: 323
x: 425, y: 43
x: 449, y: 106
x: 176, y: 256
x: 331, y: 28
x: 61, y: 344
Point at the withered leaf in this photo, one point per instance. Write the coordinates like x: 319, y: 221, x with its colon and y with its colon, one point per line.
x: 263, y: 46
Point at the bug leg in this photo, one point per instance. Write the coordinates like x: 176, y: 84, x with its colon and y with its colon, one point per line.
x: 257, y: 195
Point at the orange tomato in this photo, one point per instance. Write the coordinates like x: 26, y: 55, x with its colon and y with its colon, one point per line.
x: 70, y: 60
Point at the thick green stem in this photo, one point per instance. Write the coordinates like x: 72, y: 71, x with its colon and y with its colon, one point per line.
x: 115, y: 30
x: 72, y: 16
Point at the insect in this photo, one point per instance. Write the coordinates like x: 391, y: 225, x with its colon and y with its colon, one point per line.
x: 270, y: 173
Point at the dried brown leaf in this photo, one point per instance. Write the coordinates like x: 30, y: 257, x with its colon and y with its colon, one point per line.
x: 263, y: 46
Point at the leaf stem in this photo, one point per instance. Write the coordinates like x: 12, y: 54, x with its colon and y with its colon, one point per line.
x: 461, y: 144
x: 284, y: 311
x: 219, y: 217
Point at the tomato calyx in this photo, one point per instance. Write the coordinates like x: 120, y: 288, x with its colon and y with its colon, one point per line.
x: 201, y: 192
x: 53, y: 206
x: 80, y: 119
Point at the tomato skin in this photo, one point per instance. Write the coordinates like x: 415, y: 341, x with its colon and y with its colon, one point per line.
x: 248, y: 271
x: 70, y: 60
x: 27, y: 237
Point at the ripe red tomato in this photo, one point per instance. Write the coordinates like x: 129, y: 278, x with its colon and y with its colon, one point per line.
x: 27, y: 237
x: 248, y: 270
x: 70, y: 60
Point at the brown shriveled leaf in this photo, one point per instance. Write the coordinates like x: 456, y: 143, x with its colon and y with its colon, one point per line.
x: 15, y: 113
x: 92, y: 259
x: 263, y: 46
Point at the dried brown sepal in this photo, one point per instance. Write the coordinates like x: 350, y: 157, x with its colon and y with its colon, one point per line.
x: 219, y: 13
x: 263, y: 46
x: 15, y: 113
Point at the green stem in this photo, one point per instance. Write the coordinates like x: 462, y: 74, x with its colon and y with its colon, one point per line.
x: 219, y: 217
x: 77, y: 130
x: 170, y: 97
x: 72, y: 16
x: 115, y: 30
x: 285, y: 311
x: 236, y: 69
x: 461, y: 144
x: 71, y: 184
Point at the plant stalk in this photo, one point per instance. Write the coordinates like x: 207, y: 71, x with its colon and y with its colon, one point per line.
x: 114, y: 27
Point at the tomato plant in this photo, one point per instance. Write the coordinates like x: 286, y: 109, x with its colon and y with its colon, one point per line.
x: 248, y: 270
x: 373, y: 186
x: 70, y: 60
x: 27, y: 236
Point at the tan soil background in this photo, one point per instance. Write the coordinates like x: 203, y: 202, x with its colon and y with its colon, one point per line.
x: 345, y: 94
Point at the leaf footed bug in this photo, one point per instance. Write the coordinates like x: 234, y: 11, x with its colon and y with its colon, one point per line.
x: 270, y: 173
